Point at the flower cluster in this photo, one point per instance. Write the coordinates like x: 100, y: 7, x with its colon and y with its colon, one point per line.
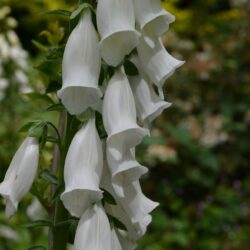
x: 128, y: 29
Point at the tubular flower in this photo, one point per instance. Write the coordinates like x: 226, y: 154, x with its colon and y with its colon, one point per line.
x: 132, y: 209
x: 83, y: 170
x: 119, y: 115
x: 151, y: 17
x: 156, y: 61
x: 124, y: 168
x: 116, y: 24
x: 20, y: 175
x: 93, y: 231
x: 81, y: 68
x: 148, y: 104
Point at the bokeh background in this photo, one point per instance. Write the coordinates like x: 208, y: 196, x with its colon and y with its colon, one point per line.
x: 199, y: 151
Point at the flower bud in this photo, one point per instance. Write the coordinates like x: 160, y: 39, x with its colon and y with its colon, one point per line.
x: 20, y: 174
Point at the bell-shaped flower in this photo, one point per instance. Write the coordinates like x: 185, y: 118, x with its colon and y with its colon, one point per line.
x: 81, y: 68
x: 124, y: 168
x: 132, y: 210
x: 156, y: 62
x: 116, y: 25
x: 119, y: 115
x: 148, y: 104
x: 93, y: 231
x: 20, y: 174
x: 83, y: 170
x: 151, y: 17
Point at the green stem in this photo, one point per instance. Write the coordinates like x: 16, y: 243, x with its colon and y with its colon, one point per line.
x: 60, y: 234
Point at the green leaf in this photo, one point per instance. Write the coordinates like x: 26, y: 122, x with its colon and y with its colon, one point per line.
x: 55, y: 107
x: 108, y: 197
x: 58, y: 12
x: 38, y: 223
x: 40, y: 46
x: 53, y: 86
x: 46, y: 175
x: 27, y: 126
x: 35, y: 96
x: 116, y: 223
x: 37, y: 130
x: 130, y: 68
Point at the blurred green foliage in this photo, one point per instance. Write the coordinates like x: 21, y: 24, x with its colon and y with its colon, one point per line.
x: 199, y: 151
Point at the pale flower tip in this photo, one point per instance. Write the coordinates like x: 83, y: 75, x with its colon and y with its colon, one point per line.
x: 115, y: 47
x: 78, y: 200
x: 128, y: 138
x: 93, y: 230
x: 78, y: 99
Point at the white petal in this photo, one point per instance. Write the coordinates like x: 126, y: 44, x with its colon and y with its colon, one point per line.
x: 125, y: 241
x: 151, y: 17
x: 132, y: 210
x: 115, y: 243
x: 81, y: 68
x: 20, y: 174
x: 135, y: 203
x: 148, y: 104
x: 116, y: 25
x: 156, y: 61
x: 119, y: 114
x: 83, y: 170
x: 93, y: 231
x: 124, y: 168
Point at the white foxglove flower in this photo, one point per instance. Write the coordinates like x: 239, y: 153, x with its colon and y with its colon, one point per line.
x: 20, y: 175
x: 151, y: 17
x: 81, y: 68
x: 136, y: 204
x: 93, y: 231
x: 148, y: 104
x: 156, y: 61
x: 116, y: 25
x: 119, y: 115
x: 83, y: 170
x: 132, y: 210
x: 124, y: 168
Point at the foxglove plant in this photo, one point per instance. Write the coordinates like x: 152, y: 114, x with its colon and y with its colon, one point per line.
x: 96, y: 177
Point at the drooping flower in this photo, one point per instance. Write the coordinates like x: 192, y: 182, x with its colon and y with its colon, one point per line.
x: 119, y: 115
x: 148, y: 104
x: 155, y: 60
x: 93, y: 231
x: 151, y: 17
x: 83, y: 170
x: 20, y: 174
x: 81, y: 68
x: 125, y: 241
x: 132, y: 209
x: 116, y: 25
x: 124, y: 168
